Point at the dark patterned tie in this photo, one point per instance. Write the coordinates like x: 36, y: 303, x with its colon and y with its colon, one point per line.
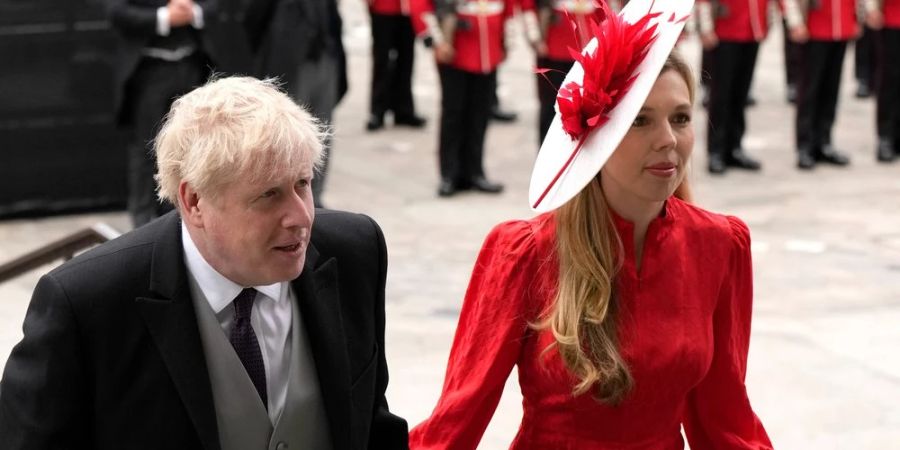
x: 243, y: 339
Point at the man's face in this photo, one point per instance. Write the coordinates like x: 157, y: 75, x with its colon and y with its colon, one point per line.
x: 256, y: 233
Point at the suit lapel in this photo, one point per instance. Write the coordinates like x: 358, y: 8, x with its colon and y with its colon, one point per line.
x: 172, y: 323
x: 319, y: 300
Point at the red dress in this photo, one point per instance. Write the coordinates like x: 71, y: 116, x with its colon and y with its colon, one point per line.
x: 684, y: 329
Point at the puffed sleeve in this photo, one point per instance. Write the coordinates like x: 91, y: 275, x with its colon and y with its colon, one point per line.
x: 492, y: 325
x: 719, y: 415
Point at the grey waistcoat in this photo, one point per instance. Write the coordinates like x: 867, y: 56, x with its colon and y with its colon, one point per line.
x: 242, y: 419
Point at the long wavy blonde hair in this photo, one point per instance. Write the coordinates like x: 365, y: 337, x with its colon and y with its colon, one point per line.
x: 583, y: 315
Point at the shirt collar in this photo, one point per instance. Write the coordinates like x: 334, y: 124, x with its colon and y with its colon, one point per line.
x: 219, y: 291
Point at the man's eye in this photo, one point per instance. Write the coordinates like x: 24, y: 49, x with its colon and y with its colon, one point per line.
x: 267, y: 194
x: 303, y: 183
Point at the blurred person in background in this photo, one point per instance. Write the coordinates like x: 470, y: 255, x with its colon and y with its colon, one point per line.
x: 549, y: 31
x: 883, y: 16
x: 244, y: 320
x: 822, y: 28
x: 626, y: 309
x: 165, y: 51
x: 864, y: 61
x: 299, y: 41
x: 731, y: 31
x: 393, y: 51
x: 791, y: 53
x: 467, y: 38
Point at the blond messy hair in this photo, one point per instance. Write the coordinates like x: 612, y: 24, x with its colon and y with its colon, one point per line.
x: 235, y: 128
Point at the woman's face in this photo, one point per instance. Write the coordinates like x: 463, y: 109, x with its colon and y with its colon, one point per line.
x: 651, y: 160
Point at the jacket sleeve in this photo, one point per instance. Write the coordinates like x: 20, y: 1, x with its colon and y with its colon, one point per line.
x: 257, y: 16
x: 42, y: 393
x: 387, y: 430
x: 793, y: 11
x: 133, y: 20
x: 492, y: 326
x: 703, y: 11
x: 719, y: 415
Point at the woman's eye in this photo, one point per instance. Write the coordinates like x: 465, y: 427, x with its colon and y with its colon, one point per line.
x: 682, y: 119
x: 640, y: 121
x: 302, y: 183
x: 267, y: 194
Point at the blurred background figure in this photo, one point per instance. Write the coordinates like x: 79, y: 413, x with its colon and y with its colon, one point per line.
x: 551, y: 36
x: 884, y: 17
x: 791, y: 62
x: 165, y: 52
x: 731, y: 31
x: 498, y: 114
x: 864, y: 62
x: 467, y: 38
x: 823, y: 30
x: 393, y: 45
x: 299, y: 41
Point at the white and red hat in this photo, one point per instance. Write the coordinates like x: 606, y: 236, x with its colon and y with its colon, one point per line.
x: 602, y: 94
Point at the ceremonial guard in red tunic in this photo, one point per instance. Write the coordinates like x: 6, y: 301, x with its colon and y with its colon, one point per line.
x: 552, y: 37
x: 392, y: 73
x: 884, y: 16
x: 823, y: 27
x: 467, y: 37
x: 731, y: 31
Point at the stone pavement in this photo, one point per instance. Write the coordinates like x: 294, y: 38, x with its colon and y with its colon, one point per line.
x: 824, y: 369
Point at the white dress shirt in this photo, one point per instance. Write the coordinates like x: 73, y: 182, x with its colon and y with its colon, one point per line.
x: 270, y: 318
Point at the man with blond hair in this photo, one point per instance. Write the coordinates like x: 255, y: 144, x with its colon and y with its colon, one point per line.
x: 232, y: 323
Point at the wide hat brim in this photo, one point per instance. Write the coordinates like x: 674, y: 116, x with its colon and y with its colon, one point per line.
x: 546, y: 195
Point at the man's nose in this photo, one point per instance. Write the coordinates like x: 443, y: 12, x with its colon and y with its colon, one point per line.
x: 298, y: 211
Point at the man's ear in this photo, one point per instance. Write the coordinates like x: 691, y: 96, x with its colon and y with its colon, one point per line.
x: 189, y: 204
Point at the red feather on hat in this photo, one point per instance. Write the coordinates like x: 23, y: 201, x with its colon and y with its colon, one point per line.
x: 609, y: 71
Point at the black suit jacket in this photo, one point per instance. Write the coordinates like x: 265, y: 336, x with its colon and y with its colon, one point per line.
x: 282, y: 33
x: 112, y: 357
x: 222, y: 40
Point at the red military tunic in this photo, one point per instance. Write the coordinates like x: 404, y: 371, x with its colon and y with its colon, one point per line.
x: 559, y: 36
x: 736, y: 20
x: 389, y: 7
x: 478, y: 37
x: 891, y: 11
x: 683, y: 326
x: 826, y: 20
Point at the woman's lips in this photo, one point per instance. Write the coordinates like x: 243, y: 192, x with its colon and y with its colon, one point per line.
x: 663, y: 170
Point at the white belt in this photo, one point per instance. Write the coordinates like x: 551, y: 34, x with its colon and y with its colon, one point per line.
x: 574, y: 6
x: 480, y: 8
x: 169, y: 55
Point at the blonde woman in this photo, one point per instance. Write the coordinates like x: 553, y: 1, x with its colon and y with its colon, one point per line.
x: 625, y: 308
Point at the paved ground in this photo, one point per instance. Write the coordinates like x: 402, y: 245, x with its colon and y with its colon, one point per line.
x: 824, y: 370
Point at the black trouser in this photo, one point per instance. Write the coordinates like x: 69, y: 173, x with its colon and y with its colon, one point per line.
x: 864, y: 58
x: 818, y: 86
x: 392, y: 65
x: 151, y: 91
x: 548, y: 85
x: 888, y: 88
x: 465, y: 110
x: 791, y: 57
x: 731, y: 74
x: 705, y: 67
